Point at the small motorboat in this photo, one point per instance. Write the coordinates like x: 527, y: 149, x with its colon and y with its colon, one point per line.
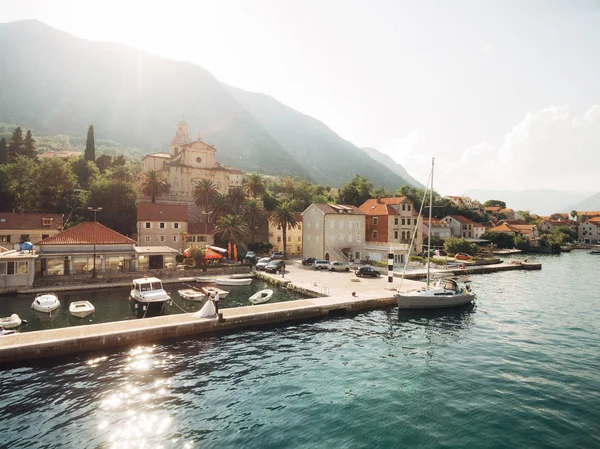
x: 261, y: 296
x: 212, y: 291
x: 7, y: 331
x: 149, y: 295
x: 230, y: 281
x: 596, y: 251
x: 81, y: 309
x: 204, y: 279
x: 242, y: 276
x: 187, y: 279
x: 191, y: 295
x: 10, y: 322
x: 45, y: 302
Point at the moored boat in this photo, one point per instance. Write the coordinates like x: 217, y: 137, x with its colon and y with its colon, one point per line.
x: 261, y: 296
x: 45, y: 302
x: 204, y: 279
x: 191, y: 295
x: 81, y: 309
x: 242, y: 275
x: 229, y: 281
x: 212, y: 291
x: 10, y: 322
x: 148, y: 295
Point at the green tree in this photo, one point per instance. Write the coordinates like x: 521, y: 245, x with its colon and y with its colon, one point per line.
x: 15, y: 147
x: 205, y: 192
x: 283, y: 216
x: 220, y: 207
x: 86, y: 171
x: 254, y: 213
x: 356, y: 191
x: 154, y: 184
x: 90, y: 145
x: 236, y: 198
x: 29, y: 149
x: 573, y: 214
x: 495, y: 203
x: 3, y: 151
x: 234, y: 228
x: 255, y: 185
x: 382, y: 192
x: 55, y: 179
x: 103, y: 162
x: 521, y: 242
x: 117, y: 200
x: 21, y: 182
x: 454, y: 245
x: 120, y: 173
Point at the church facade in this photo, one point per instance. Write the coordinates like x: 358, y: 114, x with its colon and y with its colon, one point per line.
x: 188, y: 162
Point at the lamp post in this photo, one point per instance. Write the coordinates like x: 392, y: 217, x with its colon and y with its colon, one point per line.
x: 94, y: 210
x: 204, y: 212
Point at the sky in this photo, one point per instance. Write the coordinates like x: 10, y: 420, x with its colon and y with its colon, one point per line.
x: 505, y: 95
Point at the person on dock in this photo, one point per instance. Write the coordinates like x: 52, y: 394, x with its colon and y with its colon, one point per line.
x: 216, y: 303
x: 282, y: 267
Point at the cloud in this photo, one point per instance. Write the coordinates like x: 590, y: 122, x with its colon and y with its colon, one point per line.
x: 487, y: 48
x: 550, y: 148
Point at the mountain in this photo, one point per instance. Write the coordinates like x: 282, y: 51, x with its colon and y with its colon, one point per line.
x: 56, y: 83
x: 387, y: 161
x: 591, y: 203
x: 541, y: 202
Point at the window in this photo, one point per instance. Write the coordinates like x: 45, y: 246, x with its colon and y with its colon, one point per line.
x: 396, y: 221
x: 161, y: 238
x: 47, y: 221
x: 298, y: 249
x: 162, y: 225
x: 198, y: 159
x: 299, y: 226
x: 22, y: 268
x: 403, y: 221
x: 2, y: 268
x: 148, y: 225
x: 404, y: 207
x: 395, y: 234
x: 176, y: 182
x: 279, y: 228
x: 148, y: 239
x: 408, y: 221
x: 5, y: 238
x: 201, y: 238
x: 289, y: 239
x: 45, y: 236
x: 174, y: 238
x: 375, y: 221
x: 278, y: 239
x: 299, y: 238
x: 374, y: 234
x: 175, y: 225
x: 10, y: 268
x: 408, y: 207
x: 289, y: 227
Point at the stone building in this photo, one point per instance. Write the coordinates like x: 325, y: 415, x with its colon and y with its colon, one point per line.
x: 162, y: 225
x: 34, y: 226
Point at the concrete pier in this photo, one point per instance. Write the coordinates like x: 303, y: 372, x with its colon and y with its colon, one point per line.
x: 335, y: 293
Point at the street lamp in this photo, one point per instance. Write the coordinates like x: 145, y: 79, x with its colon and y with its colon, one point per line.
x: 94, y: 210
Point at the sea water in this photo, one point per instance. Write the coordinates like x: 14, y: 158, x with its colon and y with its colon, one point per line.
x: 519, y: 369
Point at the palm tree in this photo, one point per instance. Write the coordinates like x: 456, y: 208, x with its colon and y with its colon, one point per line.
x: 254, y: 213
x: 236, y: 198
x: 255, y: 185
x: 232, y: 227
x: 220, y: 207
x: 205, y: 192
x: 153, y: 183
x: 573, y: 214
x: 284, y: 216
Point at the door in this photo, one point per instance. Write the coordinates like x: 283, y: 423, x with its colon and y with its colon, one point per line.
x: 155, y: 262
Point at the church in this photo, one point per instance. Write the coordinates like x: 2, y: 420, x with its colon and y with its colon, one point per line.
x: 188, y: 162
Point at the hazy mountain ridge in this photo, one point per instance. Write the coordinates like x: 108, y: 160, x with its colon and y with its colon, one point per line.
x: 387, y: 161
x: 56, y: 83
x: 591, y: 203
x: 541, y: 202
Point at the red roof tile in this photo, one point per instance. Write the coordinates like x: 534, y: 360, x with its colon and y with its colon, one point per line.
x: 465, y: 220
x: 83, y: 234
x: 10, y: 220
x: 162, y: 212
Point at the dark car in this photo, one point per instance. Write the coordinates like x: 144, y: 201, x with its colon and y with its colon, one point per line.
x: 366, y: 271
x: 308, y: 260
x: 274, y: 266
x: 277, y: 255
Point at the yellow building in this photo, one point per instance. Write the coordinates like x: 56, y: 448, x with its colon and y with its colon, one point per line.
x: 293, y: 246
x: 188, y: 162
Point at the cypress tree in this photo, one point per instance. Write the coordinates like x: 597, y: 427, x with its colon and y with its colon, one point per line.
x: 15, y: 147
x: 29, y: 146
x: 3, y: 151
x: 90, y: 146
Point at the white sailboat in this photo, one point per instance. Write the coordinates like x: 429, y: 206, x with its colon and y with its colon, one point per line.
x: 447, y: 292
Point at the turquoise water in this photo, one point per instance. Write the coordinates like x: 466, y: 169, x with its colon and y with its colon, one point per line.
x: 520, y: 369
x: 113, y: 304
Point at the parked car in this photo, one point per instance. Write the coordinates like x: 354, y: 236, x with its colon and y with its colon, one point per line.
x: 338, y: 266
x: 320, y: 264
x: 277, y: 255
x: 308, y: 260
x: 262, y: 263
x: 250, y: 255
x: 366, y: 271
x: 274, y: 266
x: 462, y: 256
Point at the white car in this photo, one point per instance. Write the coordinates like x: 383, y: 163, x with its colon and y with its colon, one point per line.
x: 262, y: 263
x: 338, y: 266
x: 320, y: 264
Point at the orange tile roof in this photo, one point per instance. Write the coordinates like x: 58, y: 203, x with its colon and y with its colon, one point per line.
x: 502, y: 228
x: 492, y: 209
x: 9, y: 220
x: 382, y: 206
x: 162, y: 212
x: 83, y: 234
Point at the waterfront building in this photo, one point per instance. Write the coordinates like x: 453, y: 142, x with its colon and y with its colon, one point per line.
x: 162, y: 225
x: 293, y: 246
x: 200, y: 234
x: 462, y: 227
x: 390, y: 223
x: 333, y: 232
x: 589, y: 232
x: 32, y: 227
x: 439, y: 228
x: 549, y: 224
x: 74, y: 250
x: 17, y: 270
x: 189, y: 161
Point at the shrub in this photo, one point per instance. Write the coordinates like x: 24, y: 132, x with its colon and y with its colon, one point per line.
x: 416, y: 259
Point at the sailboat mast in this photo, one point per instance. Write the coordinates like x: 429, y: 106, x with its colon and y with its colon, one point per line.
x: 429, y: 227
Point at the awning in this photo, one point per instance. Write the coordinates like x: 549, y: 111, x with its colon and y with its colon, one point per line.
x: 210, y: 254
